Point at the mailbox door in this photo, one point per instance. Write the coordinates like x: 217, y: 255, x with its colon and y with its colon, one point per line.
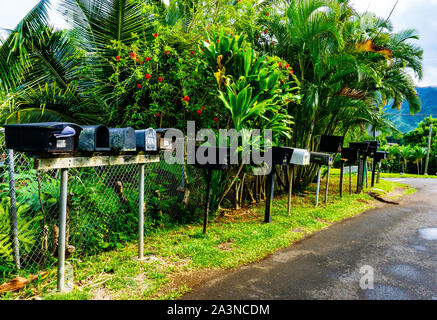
x: 94, y: 138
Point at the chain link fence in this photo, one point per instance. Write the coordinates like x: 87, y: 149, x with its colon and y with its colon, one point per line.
x: 102, y: 207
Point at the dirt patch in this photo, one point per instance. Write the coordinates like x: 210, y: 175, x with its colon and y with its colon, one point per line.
x: 241, y: 215
x: 226, y: 246
x: 189, y: 279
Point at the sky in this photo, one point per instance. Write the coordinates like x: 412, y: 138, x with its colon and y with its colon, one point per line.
x: 418, y: 14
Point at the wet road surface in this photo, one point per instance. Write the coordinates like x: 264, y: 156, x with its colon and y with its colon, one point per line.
x: 396, y: 244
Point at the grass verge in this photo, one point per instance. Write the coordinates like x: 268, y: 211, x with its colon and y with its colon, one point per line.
x: 180, y: 257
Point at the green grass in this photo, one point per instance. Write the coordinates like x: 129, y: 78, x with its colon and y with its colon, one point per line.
x: 233, y: 240
x: 405, y: 175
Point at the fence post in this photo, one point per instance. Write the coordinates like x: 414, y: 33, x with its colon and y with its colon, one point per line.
x: 141, y: 214
x: 13, y: 210
x: 62, y: 229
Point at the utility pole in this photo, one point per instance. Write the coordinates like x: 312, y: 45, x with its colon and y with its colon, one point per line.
x: 429, y: 150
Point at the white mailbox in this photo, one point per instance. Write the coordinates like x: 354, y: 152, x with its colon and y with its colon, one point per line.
x: 300, y: 157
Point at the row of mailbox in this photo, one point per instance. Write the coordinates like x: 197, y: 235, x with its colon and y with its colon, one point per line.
x: 56, y: 137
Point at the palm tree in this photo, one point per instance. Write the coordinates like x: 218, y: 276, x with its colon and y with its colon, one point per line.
x: 348, y: 69
x: 60, y: 75
x: 417, y: 154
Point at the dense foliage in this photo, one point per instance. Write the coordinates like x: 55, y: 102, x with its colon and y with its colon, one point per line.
x: 302, y: 68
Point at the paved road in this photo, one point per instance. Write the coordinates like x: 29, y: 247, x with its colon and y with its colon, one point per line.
x: 399, y: 242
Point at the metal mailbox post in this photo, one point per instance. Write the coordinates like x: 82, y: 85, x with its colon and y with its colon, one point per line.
x: 363, y: 149
x: 55, y: 146
x: 65, y: 163
x: 285, y: 156
x: 330, y: 145
x: 221, y: 162
x: 349, y: 157
x: 280, y: 155
x: 300, y: 157
x: 377, y: 158
x: 322, y: 159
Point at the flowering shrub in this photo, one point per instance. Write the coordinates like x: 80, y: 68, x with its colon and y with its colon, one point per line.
x: 169, y: 90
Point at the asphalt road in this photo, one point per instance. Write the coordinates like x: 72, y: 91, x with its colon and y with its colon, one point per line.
x: 397, y: 243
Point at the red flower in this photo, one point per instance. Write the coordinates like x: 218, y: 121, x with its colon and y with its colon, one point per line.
x: 192, y: 53
x: 291, y: 72
x: 186, y: 98
x: 203, y: 107
x: 137, y: 60
x: 148, y: 76
x: 231, y: 34
x: 207, y: 41
x: 166, y: 52
x: 266, y: 31
x: 216, y: 119
x: 287, y: 66
x: 199, y: 111
x: 118, y: 58
x: 157, y: 114
x: 280, y: 64
x: 218, y: 40
x: 148, y: 59
x: 132, y: 55
x: 139, y: 86
x: 160, y: 79
x: 282, y: 81
x: 155, y: 35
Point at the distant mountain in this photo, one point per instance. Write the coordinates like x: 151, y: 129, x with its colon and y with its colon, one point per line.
x: 404, y: 121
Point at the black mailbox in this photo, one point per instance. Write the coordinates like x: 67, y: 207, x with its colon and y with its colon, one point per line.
x: 221, y: 159
x: 51, y: 137
x: 380, y: 155
x: 281, y: 155
x: 147, y: 140
x: 349, y: 155
x: 360, y: 146
x: 122, y: 139
x: 373, y: 147
x: 94, y: 138
x: 331, y: 144
x: 164, y: 143
x: 321, y: 158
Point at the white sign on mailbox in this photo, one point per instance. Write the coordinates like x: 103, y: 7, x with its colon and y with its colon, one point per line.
x: 300, y: 157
